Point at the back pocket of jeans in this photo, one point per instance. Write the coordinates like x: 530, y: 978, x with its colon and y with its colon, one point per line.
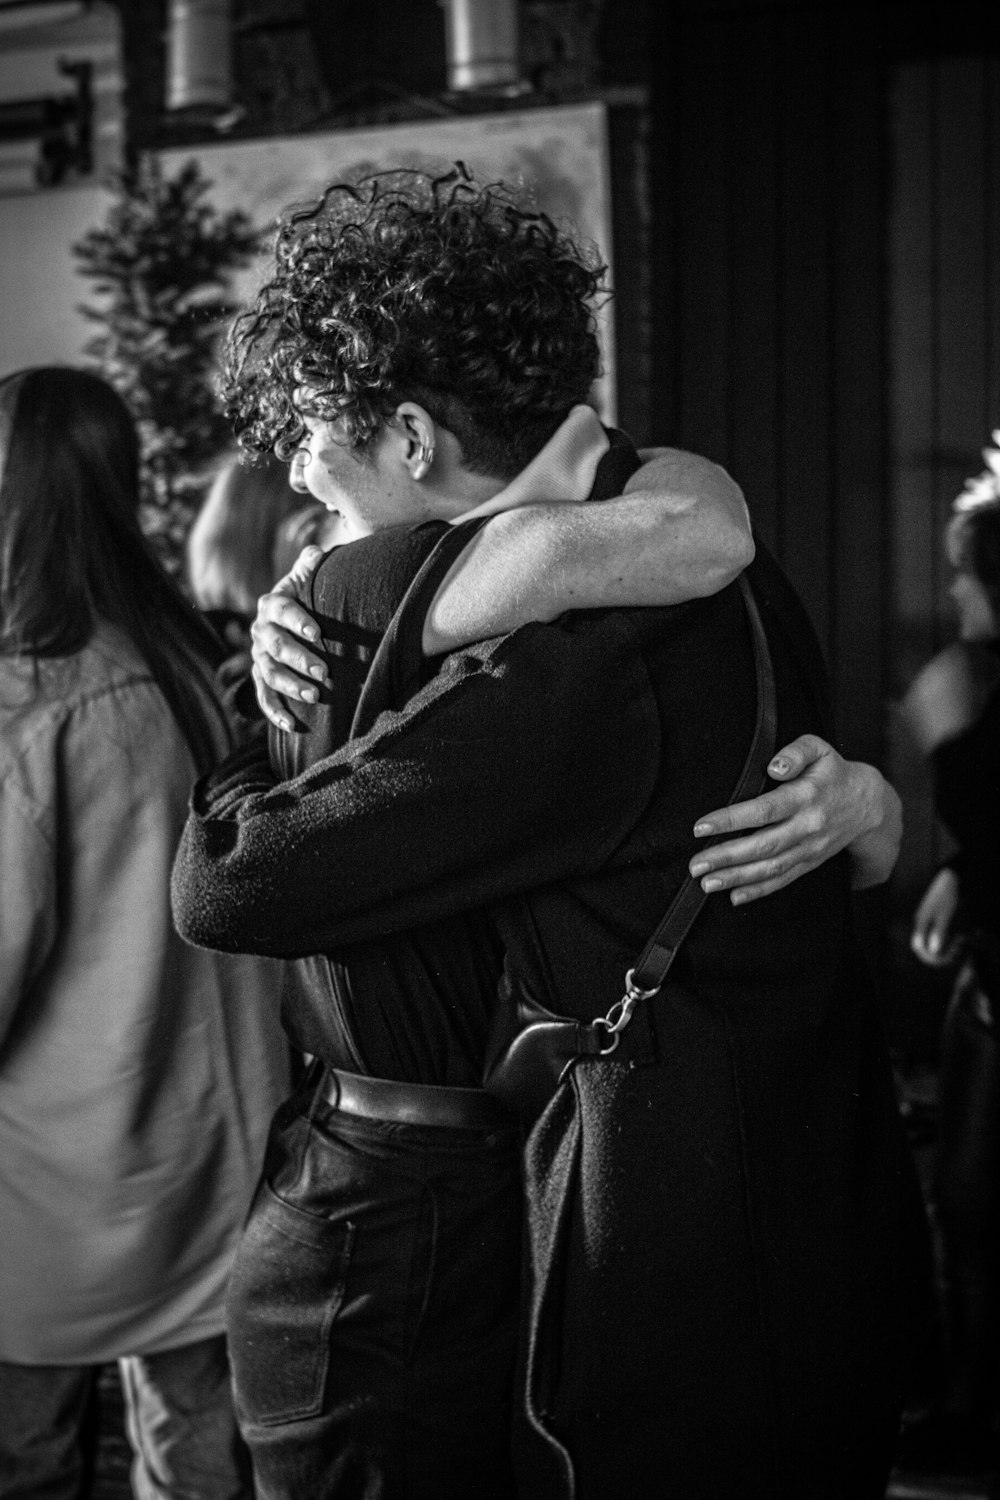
x: 286, y: 1288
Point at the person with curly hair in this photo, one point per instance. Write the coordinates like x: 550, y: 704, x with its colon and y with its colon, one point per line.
x: 444, y: 823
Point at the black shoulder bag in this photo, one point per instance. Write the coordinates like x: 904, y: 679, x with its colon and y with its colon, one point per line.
x: 532, y: 1051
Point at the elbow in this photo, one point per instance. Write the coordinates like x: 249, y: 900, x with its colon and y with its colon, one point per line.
x: 737, y: 548
x: 732, y: 553
x: 198, y: 914
x: 742, y: 552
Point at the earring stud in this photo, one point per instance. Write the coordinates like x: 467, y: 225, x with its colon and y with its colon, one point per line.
x: 425, y: 460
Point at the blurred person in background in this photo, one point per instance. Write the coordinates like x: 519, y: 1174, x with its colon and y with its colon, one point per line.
x: 248, y: 532
x: 137, y: 1076
x: 953, y: 710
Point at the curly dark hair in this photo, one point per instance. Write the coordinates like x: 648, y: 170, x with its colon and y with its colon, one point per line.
x: 409, y: 286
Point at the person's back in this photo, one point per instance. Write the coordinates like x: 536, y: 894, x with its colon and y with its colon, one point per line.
x: 135, y: 1094
x: 136, y: 1078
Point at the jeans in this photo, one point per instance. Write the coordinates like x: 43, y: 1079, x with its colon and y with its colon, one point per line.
x: 180, y: 1419
x: 373, y: 1310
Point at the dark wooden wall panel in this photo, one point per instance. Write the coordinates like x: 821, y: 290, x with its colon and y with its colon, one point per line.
x: 991, y: 112
x: 806, y: 224
x: 769, y: 242
x: 961, y: 283
x: 702, y: 256
x: 943, y: 392
x: 843, y: 198
x: 912, y: 260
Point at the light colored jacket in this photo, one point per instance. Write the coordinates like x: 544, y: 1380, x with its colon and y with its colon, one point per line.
x: 137, y: 1075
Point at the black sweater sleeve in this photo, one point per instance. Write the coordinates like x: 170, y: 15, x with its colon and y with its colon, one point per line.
x: 524, y: 761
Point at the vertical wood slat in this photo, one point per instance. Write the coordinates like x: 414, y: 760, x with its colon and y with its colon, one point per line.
x: 912, y: 358
x: 701, y: 84
x: 859, y: 545
x: 912, y: 413
x: 754, y: 441
x: 962, y: 309
x: 805, y: 546
x: 628, y: 163
x: 991, y: 114
x: 944, y: 346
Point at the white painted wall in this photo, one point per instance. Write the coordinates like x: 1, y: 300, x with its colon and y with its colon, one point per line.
x: 40, y: 289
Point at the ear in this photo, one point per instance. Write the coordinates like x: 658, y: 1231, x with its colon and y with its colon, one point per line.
x: 418, y: 436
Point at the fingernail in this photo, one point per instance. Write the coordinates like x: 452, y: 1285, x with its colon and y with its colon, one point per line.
x: 698, y: 866
x: 738, y: 898
x: 284, y: 724
x: 713, y: 883
x: 779, y: 766
x: 311, y: 633
x: 318, y: 672
x: 310, y: 695
x: 933, y: 942
x: 700, y: 830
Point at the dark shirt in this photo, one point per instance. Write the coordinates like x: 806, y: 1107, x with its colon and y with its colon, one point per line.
x: 413, y: 1005
x: 403, y: 1000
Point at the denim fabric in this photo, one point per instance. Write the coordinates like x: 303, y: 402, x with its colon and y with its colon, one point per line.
x: 42, y: 1410
x: 180, y: 1419
x: 373, y: 1311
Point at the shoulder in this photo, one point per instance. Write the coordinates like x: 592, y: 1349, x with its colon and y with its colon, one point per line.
x: 99, y: 704
x: 361, y: 583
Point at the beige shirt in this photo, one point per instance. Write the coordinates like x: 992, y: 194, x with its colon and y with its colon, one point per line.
x: 137, y: 1075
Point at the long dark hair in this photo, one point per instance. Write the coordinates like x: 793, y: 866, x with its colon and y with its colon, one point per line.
x: 71, y: 550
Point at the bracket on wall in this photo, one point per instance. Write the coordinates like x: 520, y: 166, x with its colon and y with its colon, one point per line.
x: 60, y: 124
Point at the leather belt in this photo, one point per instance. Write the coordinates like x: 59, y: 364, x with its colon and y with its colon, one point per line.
x: 413, y: 1103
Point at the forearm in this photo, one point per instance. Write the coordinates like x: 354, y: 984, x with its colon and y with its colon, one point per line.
x: 680, y: 532
x: 457, y: 801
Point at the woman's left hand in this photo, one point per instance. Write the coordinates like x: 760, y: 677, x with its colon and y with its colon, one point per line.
x: 824, y: 804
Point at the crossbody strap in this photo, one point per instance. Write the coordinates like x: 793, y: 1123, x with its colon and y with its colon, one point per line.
x: 650, y: 969
x: 398, y: 666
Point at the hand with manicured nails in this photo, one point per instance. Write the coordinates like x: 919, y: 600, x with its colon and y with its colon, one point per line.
x: 823, y: 804
x: 282, y: 661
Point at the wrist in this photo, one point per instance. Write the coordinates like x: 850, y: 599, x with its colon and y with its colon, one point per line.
x: 875, y: 847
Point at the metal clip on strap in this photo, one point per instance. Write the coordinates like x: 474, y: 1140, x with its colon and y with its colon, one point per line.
x: 646, y: 977
x: 620, y: 1014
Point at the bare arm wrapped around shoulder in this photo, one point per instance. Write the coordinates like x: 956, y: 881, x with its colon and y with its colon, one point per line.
x: 680, y: 531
